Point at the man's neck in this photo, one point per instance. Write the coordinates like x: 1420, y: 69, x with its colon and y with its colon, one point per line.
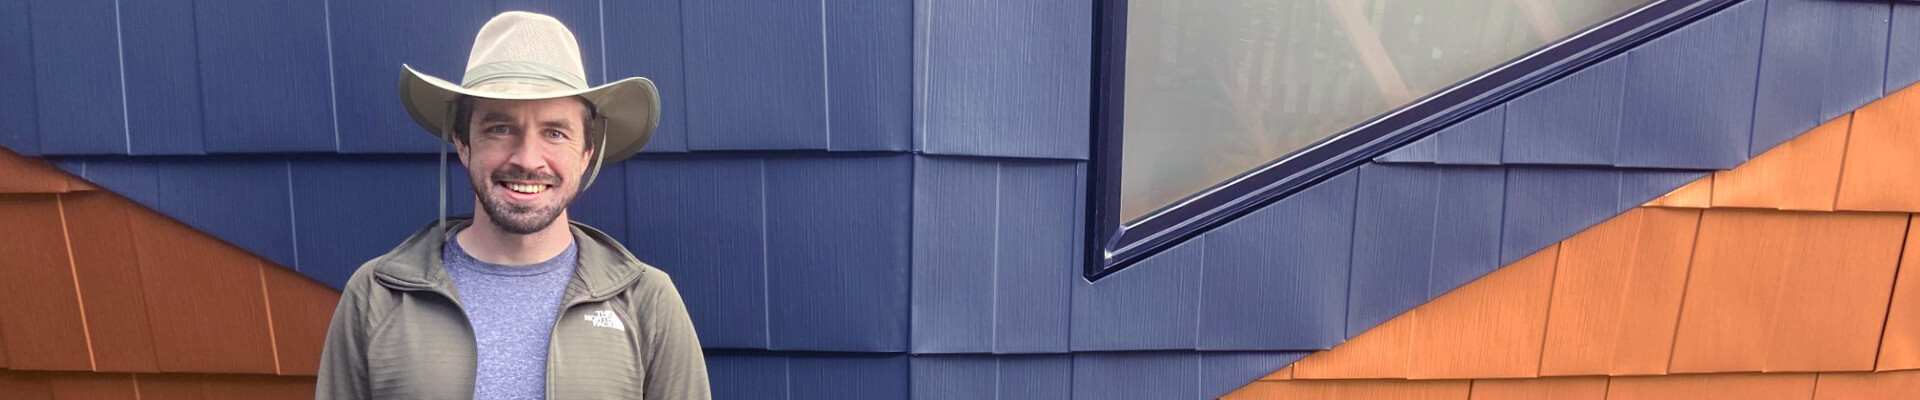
x: 488, y: 243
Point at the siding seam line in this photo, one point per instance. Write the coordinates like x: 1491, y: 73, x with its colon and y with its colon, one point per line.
x: 73, y: 271
x: 1686, y: 282
x: 120, y: 52
x: 1900, y: 261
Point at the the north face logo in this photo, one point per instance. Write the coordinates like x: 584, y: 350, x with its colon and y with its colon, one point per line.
x: 606, y: 319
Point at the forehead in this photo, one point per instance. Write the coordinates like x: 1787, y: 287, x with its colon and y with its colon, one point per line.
x: 568, y: 109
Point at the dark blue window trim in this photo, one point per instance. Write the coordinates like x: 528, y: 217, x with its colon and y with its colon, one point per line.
x: 1112, y: 245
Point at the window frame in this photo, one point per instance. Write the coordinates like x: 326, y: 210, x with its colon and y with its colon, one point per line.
x: 1112, y: 244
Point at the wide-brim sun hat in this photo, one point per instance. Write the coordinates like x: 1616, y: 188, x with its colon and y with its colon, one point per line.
x: 526, y: 56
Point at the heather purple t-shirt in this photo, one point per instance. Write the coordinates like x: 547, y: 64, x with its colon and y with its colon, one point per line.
x: 512, y: 310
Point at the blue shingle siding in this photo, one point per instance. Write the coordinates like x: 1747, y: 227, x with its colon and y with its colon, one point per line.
x: 1151, y: 305
x: 1574, y: 120
x: 1222, y: 372
x: 336, y: 231
x: 1689, y: 95
x: 704, y: 222
x: 1136, y: 375
x: 1276, y: 278
x: 934, y: 250
x: 163, y: 77
x: 1006, y: 78
x: 646, y: 42
x: 137, y: 179
x: 367, y: 58
x: 245, y: 202
x: 1903, y: 47
x: 19, y: 131
x: 747, y: 376
x: 1820, y: 59
x: 993, y: 250
x: 835, y: 377
x: 1034, y: 377
x: 869, y: 72
x: 265, y: 84
x: 755, y: 75
x: 76, y: 71
x: 837, y: 244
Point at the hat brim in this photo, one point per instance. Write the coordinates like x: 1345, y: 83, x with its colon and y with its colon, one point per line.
x: 631, y: 107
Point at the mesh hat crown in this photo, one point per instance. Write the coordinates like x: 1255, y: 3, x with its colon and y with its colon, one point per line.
x: 526, y: 56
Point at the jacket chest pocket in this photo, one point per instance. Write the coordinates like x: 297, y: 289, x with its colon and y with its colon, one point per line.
x: 595, y: 355
x: 425, y: 351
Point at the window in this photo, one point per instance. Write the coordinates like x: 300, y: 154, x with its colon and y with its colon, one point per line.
x: 1206, y: 108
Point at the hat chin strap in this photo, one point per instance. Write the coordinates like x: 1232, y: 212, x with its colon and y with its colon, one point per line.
x: 599, y: 153
x: 446, y: 135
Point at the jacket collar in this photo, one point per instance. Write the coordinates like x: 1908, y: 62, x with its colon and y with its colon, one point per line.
x: 604, y: 267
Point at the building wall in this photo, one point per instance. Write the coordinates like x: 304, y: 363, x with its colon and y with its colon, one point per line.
x: 887, y: 197
x: 1794, y: 276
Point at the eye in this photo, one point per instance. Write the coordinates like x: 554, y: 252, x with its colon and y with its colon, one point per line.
x: 554, y: 134
x: 497, y: 129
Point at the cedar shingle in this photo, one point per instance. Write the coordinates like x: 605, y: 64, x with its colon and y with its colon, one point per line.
x: 1557, y: 388
x: 256, y: 387
x: 301, y: 309
x: 1801, y: 174
x: 92, y: 386
x: 1883, y: 156
x: 44, y: 327
x: 1380, y: 352
x: 24, y: 385
x: 1900, y: 344
x: 1786, y: 291
x: 1833, y: 302
x: 1897, y: 385
x: 1358, y: 389
x: 109, y: 277
x: 1712, y: 387
x: 28, y: 175
x: 1698, y: 194
x: 1491, y: 328
x: 1616, y: 294
x: 170, y: 386
x: 205, y: 299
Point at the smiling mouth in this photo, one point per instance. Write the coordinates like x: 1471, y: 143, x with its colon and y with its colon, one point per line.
x: 525, y: 188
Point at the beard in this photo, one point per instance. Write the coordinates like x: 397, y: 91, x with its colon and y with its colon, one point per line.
x: 517, y: 218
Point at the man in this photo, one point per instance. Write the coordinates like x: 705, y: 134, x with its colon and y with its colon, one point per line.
x: 517, y: 302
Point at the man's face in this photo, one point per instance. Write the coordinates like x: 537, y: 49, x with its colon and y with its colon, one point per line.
x: 525, y: 159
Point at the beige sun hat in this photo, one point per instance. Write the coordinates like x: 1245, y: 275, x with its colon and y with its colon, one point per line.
x: 526, y: 56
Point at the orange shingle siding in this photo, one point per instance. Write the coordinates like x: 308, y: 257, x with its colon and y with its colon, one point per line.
x: 109, y: 274
x: 1616, y: 295
x: 1902, y: 385
x: 44, y: 326
x: 1787, y: 291
x: 28, y: 175
x: 1882, y: 162
x: 1563, y: 388
x: 1755, y: 283
x: 1801, y: 174
x: 1380, y: 352
x: 1900, y: 344
x: 1505, y: 322
x: 1698, y: 194
x: 103, y: 284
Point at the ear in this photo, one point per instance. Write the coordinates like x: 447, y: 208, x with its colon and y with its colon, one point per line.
x: 463, y: 151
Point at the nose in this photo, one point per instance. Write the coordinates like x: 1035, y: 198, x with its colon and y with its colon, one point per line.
x: 527, y: 154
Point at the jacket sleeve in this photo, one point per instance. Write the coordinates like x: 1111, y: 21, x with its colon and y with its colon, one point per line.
x: 343, y: 360
x: 676, y: 368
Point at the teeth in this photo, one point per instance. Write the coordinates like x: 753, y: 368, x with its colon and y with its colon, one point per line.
x: 526, y: 188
